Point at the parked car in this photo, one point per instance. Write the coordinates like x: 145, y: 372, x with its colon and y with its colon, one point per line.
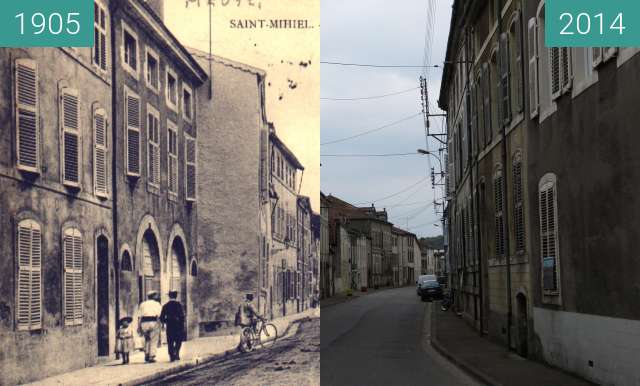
x: 428, y: 287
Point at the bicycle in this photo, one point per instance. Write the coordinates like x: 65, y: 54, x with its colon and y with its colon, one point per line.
x: 253, y: 336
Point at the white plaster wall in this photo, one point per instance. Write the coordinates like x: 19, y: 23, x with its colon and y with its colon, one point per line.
x: 570, y: 340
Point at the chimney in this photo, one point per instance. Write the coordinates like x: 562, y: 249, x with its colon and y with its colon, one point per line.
x: 158, y: 7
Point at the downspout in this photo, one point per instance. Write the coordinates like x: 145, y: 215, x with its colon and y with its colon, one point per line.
x: 114, y: 143
x: 505, y: 206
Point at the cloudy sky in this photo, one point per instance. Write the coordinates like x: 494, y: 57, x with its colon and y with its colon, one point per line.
x: 295, y: 111
x: 381, y: 32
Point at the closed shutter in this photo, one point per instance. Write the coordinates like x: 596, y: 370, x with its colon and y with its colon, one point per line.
x: 565, y: 64
x: 73, y: 298
x: 480, y: 117
x: 100, y: 37
x: 486, y: 108
x: 100, y: 157
x: 596, y: 56
x: 517, y: 71
x: 153, y: 152
x: 533, y: 67
x: 264, y: 157
x: 26, y: 115
x: 29, y: 286
x: 132, y: 126
x: 172, y: 151
x: 499, y: 213
x: 70, y: 127
x: 474, y: 119
x: 505, y: 79
x: 518, y: 210
x: 548, y: 237
x: 554, y: 72
x: 190, y: 165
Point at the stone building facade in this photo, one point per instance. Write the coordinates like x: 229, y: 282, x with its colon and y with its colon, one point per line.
x: 566, y: 167
x: 233, y: 207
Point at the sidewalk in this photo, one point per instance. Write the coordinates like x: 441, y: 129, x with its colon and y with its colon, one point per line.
x: 193, y: 353
x: 489, y: 362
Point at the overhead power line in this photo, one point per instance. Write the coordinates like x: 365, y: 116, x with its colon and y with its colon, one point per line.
x: 369, y: 155
x: 380, y: 65
x: 393, y: 195
x: 371, y: 131
x: 371, y: 97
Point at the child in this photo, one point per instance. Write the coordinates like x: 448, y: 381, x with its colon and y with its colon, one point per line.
x: 124, y: 339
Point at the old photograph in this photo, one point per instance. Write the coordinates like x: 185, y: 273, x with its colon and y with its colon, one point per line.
x: 159, y: 198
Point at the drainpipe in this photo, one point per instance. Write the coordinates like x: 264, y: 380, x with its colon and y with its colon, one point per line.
x: 505, y: 205
x: 114, y: 145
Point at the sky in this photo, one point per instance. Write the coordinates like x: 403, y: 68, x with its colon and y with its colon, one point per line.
x: 384, y: 33
x: 295, y: 111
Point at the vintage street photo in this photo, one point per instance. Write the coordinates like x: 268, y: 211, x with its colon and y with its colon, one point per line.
x: 160, y: 198
x: 478, y: 195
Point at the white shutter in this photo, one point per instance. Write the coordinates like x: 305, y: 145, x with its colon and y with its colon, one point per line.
x: 518, y: 210
x: 486, y: 92
x: 567, y: 72
x: 517, y: 45
x: 29, y: 286
x: 172, y: 155
x: 549, y: 237
x: 100, y: 154
x: 533, y: 67
x: 132, y: 127
x: 596, y: 56
x: 505, y: 77
x: 73, y: 297
x: 554, y: 72
x: 190, y: 167
x: 100, y: 37
x: 70, y: 135
x: 153, y: 149
x: 26, y: 115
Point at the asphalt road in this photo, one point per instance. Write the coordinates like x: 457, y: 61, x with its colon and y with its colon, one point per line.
x: 292, y: 361
x: 383, y: 339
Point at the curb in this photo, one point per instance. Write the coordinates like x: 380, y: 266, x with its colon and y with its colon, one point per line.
x: 188, y: 366
x: 349, y: 298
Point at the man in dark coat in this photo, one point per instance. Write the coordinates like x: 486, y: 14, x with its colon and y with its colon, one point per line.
x: 172, y: 317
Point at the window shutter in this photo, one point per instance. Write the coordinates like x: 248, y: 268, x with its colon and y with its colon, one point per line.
x: 518, y: 211
x: 172, y: 141
x: 505, y: 79
x: 567, y: 73
x: 190, y: 164
x: 26, y: 115
x: 73, y: 298
x: 517, y: 44
x: 533, y: 67
x: 100, y: 158
x: 29, y: 286
x: 132, y: 116
x: 596, y: 56
x: 554, y: 72
x: 499, y: 214
x: 100, y: 37
x: 548, y: 237
x: 487, y: 103
x: 153, y: 153
x: 70, y: 125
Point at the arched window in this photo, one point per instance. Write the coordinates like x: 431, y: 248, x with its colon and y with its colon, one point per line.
x: 29, y: 281
x: 194, y: 268
x: 72, y: 288
x: 547, y: 202
x: 125, y: 264
x: 498, y: 182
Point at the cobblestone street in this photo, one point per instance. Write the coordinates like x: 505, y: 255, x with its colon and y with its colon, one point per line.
x: 292, y: 361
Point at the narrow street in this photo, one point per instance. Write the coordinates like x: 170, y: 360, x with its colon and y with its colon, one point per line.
x: 383, y: 339
x: 291, y: 361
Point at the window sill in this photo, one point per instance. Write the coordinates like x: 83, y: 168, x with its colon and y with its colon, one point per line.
x: 171, y: 106
x: 131, y: 71
x: 155, y: 91
x: 153, y: 189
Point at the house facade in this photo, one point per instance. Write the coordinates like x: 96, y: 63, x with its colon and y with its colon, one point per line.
x: 552, y: 204
x: 326, y: 259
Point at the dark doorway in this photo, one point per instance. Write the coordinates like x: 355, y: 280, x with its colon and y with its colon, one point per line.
x: 523, y: 330
x: 103, y: 295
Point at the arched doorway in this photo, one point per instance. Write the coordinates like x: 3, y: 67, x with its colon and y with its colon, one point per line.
x: 178, y: 270
x: 150, y: 265
x: 102, y: 284
x: 523, y: 330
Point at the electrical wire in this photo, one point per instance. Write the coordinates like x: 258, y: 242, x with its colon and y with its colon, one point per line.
x: 392, y: 195
x: 379, y: 65
x: 369, y: 155
x: 425, y: 224
x: 371, y: 131
x: 371, y: 97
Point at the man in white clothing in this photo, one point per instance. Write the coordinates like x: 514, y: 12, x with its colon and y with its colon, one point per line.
x: 149, y: 325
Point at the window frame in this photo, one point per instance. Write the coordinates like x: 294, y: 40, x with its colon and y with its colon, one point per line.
x: 187, y: 88
x: 550, y: 181
x: 96, y: 25
x: 499, y: 229
x: 172, y: 106
x: 97, y: 111
x: 76, y: 320
x: 127, y: 127
x: 153, y: 147
x: 188, y: 137
x: 32, y: 225
x: 135, y: 72
x: 153, y: 53
x: 519, y: 221
x: 173, y: 193
x: 35, y: 110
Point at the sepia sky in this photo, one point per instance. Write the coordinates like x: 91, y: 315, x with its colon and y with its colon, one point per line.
x: 382, y: 32
x: 292, y: 98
